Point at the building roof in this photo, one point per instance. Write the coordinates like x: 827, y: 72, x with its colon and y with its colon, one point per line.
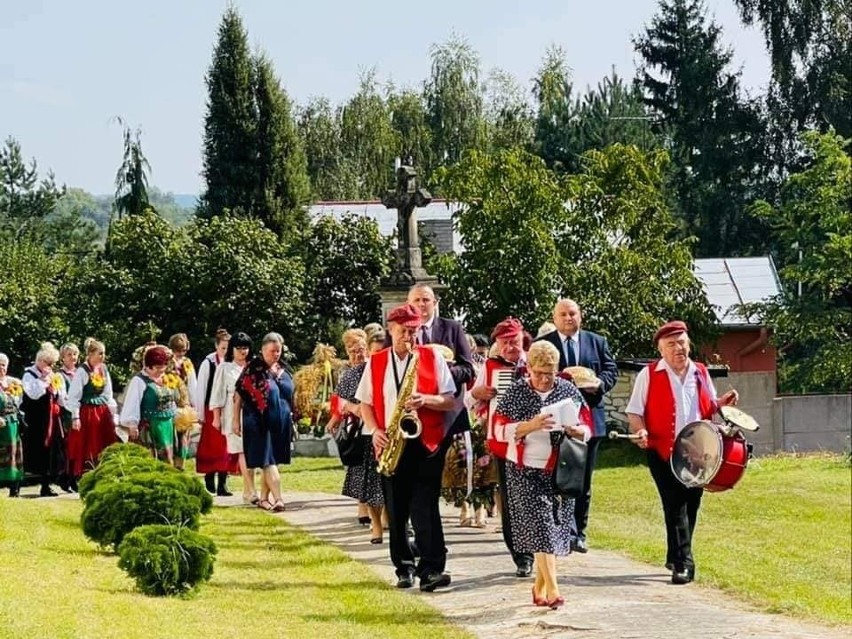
x: 737, y: 280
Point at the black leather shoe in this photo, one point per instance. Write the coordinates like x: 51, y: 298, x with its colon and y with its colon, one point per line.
x: 524, y: 570
x: 405, y: 581
x: 680, y: 577
x: 432, y: 580
x: 46, y: 492
x: 579, y: 545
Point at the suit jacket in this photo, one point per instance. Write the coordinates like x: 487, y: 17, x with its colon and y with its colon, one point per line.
x: 594, y: 354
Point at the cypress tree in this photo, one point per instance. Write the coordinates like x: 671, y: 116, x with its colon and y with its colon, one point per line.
x: 282, y: 183
x: 230, y: 124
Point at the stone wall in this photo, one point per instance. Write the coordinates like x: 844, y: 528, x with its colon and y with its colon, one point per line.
x: 813, y: 423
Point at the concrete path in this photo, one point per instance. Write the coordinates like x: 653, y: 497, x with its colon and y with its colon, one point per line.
x: 606, y: 594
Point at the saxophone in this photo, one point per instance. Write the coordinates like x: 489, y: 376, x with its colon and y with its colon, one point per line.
x: 403, y: 424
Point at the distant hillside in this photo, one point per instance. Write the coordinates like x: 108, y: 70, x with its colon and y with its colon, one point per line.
x: 185, y: 200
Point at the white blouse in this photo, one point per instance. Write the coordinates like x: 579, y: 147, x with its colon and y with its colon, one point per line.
x: 222, y: 393
x: 36, y: 387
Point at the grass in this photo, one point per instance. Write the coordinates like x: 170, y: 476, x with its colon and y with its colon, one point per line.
x: 270, y: 580
x: 780, y: 540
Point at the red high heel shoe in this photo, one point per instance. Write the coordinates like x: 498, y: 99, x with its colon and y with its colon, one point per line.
x: 538, y: 601
x: 556, y: 603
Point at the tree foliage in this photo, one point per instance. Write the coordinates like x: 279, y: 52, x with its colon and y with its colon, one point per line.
x: 813, y: 221
x: 552, y: 89
x: 368, y: 139
x: 508, y: 114
x: 454, y: 101
x: 230, y: 124
x: 26, y: 200
x: 344, y: 262
x: 715, y: 136
x: 131, y: 180
x: 282, y: 183
x: 29, y: 309
x: 603, y: 237
x: 810, y: 46
x: 156, y: 279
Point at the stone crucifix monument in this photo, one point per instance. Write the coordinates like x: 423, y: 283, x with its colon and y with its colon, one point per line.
x: 408, y: 269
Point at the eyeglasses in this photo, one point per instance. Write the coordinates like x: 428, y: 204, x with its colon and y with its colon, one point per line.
x: 542, y: 374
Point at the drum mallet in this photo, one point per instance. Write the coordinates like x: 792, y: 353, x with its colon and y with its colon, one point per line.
x: 614, y: 434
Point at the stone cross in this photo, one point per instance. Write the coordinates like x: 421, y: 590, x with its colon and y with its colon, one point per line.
x: 405, y: 199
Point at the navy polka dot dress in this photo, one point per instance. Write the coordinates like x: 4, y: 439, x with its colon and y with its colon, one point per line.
x: 542, y: 521
x: 362, y: 482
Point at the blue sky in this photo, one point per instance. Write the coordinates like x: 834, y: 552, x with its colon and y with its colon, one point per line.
x: 67, y: 67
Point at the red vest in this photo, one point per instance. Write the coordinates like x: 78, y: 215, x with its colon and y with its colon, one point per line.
x: 660, y: 407
x: 495, y: 446
x: 427, y: 384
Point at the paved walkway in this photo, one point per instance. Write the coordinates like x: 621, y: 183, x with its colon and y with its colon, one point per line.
x: 606, y: 594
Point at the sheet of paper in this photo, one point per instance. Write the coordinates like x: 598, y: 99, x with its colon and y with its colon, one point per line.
x: 564, y: 413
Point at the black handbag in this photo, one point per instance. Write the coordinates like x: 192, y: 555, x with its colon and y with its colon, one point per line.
x: 350, y: 444
x: 570, y: 471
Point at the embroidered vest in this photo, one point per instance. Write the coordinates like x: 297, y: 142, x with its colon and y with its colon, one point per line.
x: 427, y: 383
x: 158, y: 402
x: 93, y: 393
x: 660, y: 411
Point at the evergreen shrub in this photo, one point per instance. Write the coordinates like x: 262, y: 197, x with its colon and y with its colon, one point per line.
x: 167, y: 560
x: 114, y: 509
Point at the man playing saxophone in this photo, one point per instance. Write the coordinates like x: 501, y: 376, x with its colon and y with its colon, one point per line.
x: 388, y: 391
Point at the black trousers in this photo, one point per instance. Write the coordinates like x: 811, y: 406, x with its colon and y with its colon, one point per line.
x: 520, y: 558
x: 414, y: 492
x: 680, y: 507
x: 582, y: 503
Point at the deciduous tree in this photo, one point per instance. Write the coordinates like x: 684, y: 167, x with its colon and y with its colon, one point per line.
x: 812, y: 318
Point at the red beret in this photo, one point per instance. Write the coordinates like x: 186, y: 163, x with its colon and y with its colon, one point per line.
x: 157, y: 356
x: 507, y: 329
x: 670, y: 328
x: 407, y: 315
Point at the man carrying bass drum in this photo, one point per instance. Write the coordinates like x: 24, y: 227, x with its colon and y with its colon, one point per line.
x: 669, y: 394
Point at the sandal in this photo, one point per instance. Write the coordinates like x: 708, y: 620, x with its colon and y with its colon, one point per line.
x: 278, y: 507
x: 265, y: 504
x: 376, y: 540
x: 467, y: 522
x: 251, y: 500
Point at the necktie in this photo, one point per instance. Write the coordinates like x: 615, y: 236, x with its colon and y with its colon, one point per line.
x: 424, y: 336
x: 569, y: 349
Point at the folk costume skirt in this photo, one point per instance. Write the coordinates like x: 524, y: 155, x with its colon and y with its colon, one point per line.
x: 84, y: 446
x: 212, y: 455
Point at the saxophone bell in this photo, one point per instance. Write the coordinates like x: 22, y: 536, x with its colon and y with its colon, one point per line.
x: 410, y: 426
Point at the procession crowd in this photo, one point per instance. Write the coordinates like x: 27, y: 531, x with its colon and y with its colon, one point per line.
x: 491, y: 414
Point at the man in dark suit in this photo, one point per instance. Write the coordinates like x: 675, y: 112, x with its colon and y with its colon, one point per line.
x: 438, y: 330
x: 583, y: 348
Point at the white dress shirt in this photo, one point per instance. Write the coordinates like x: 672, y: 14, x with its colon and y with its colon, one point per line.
x: 687, y: 408
x: 364, y: 394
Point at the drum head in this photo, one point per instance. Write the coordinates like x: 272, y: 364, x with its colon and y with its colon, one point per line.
x: 697, y: 454
x: 735, y: 417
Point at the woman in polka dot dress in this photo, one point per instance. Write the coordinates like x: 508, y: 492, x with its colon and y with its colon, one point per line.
x: 542, y: 522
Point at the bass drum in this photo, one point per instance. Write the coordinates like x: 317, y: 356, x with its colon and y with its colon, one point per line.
x: 704, y: 457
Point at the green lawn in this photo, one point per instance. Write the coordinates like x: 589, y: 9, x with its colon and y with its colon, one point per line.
x: 270, y: 580
x: 780, y: 540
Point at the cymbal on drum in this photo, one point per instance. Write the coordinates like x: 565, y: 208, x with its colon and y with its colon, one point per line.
x: 735, y: 417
